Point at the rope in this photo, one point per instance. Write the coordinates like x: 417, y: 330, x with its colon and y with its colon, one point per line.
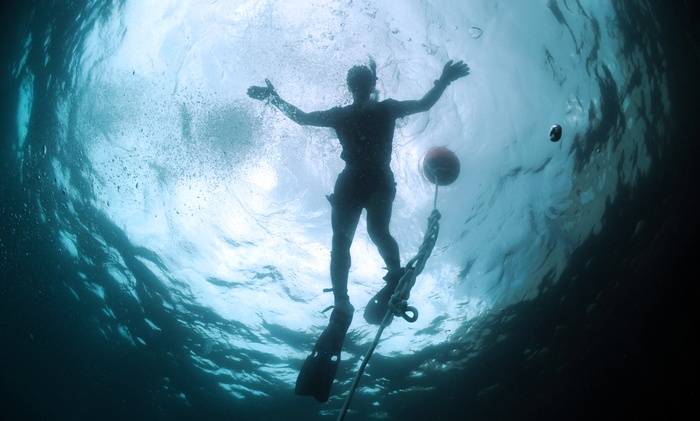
x: 398, y: 303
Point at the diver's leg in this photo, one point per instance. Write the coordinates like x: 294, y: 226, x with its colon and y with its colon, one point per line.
x: 318, y: 372
x: 344, y: 220
x: 378, y: 217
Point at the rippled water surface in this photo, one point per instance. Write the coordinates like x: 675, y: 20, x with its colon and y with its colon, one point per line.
x: 184, y: 229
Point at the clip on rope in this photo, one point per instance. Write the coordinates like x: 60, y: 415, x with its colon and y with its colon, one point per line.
x: 398, y: 304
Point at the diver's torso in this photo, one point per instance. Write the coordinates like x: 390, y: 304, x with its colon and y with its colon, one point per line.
x: 366, y: 134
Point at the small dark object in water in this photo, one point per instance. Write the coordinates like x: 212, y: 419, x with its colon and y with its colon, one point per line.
x: 476, y: 32
x: 555, y: 133
x: 441, y: 166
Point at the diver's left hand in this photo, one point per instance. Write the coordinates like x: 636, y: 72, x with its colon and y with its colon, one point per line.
x: 262, y: 92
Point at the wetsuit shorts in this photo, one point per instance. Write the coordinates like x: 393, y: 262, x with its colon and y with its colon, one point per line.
x: 356, y: 187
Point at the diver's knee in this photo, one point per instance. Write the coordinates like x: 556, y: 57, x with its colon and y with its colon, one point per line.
x: 374, y: 234
x: 341, y: 242
x: 379, y: 236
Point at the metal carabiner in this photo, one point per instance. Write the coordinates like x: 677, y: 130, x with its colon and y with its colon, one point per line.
x: 413, y: 311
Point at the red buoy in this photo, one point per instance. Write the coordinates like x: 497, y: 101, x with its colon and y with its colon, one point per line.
x: 441, y: 166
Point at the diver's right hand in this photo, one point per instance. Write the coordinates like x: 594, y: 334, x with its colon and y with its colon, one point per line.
x: 262, y: 92
x: 258, y: 92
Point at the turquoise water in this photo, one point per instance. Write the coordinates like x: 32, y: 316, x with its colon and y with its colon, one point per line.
x: 168, y: 238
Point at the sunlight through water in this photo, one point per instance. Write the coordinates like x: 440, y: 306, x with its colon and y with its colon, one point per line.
x: 212, y: 205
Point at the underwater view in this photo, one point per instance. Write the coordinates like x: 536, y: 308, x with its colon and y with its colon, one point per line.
x: 495, y: 198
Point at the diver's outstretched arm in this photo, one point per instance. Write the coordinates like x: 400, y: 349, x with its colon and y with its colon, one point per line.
x: 318, y: 118
x: 450, y: 73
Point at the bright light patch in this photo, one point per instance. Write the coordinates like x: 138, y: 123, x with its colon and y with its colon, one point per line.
x: 262, y: 175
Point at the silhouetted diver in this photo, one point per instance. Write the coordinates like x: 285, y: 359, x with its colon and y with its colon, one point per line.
x: 365, y: 130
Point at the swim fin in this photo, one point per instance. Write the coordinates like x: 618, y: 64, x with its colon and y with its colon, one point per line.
x: 378, y: 305
x: 318, y: 372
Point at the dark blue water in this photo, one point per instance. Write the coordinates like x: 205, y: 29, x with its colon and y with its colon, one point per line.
x: 164, y: 241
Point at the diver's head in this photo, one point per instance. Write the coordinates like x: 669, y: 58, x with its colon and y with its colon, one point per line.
x: 361, y: 82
